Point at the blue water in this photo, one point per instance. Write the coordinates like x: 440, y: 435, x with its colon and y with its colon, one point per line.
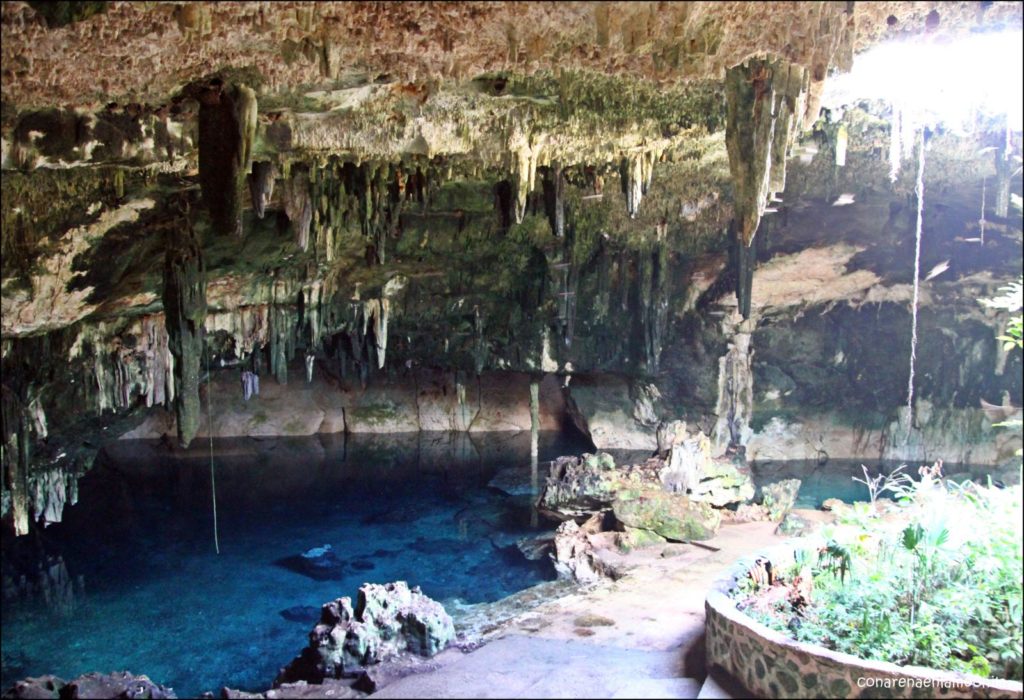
x: 835, y: 478
x: 132, y: 581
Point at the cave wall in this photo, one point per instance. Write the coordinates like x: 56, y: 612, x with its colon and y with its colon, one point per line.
x: 399, y: 255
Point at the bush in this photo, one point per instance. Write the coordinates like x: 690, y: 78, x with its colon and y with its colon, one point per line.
x: 937, y: 582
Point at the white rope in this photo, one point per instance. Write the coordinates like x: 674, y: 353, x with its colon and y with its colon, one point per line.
x: 919, y: 189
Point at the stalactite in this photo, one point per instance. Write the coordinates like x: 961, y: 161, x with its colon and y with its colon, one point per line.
x: 298, y: 204
x: 761, y: 100
x: 743, y: 260
x: 790, y: 100
x: 261, y: 185
x: 654, y: 303
x: 895, y: 145
x: 631, y: 173
x: 554, y: 199
x: 525, y: 149
x: 1004, y: 176
x: 184, y: 299
x: 227, y: 128
x: 842, y: 138
x: 735, y: 392
x: 15, y: 457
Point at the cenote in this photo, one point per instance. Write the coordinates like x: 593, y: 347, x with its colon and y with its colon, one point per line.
x: 423, y: 349
x: 130, y: 577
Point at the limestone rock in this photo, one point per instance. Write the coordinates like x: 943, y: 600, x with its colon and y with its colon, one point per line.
x: 90, y: 685
x: 579, y: 485
x: 672, y: 517
x: 794, y: 524
x: 780, y: 497
x: 388, y: 619
x: 575, y: 554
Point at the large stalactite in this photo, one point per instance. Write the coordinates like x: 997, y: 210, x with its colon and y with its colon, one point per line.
x: 184, y: 298
x: 227, y: 127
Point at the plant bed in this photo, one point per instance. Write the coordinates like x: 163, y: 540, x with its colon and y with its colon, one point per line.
x: 921, y: 598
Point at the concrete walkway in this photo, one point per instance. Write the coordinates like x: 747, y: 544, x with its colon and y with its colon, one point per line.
x: 638, y: 637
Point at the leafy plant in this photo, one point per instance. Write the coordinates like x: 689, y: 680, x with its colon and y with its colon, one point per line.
x: 936, y: 584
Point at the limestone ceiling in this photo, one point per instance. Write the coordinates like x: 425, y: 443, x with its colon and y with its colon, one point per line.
x: 143, y: 52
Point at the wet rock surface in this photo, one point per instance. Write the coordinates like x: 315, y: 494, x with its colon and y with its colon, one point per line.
x: 91, y: 686
x: 387, y: 620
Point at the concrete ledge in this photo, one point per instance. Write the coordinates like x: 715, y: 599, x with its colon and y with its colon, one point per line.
x: 771, y: 664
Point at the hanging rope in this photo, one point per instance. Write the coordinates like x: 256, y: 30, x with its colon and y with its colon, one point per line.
x: 919, y: 189
x: 213, y: 477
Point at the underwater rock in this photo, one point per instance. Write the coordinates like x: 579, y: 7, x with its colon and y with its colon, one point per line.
x: 672, y: 517
x: 780, y: 497
x: 362, y: 565
x: 318, y: 563
x: 387, y: 620
x: 90, y: 685
x: 301, y: 613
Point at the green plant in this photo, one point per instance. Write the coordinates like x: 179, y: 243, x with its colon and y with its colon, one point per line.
x: 937, y: 583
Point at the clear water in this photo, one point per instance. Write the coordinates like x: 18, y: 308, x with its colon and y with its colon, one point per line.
x: 132, y: 582
x: 835, y: 478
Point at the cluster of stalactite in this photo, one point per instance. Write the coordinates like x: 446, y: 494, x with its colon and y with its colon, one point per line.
x: 321, y: 200
x: 765, y: 103
x: 654, y: 302
x: 184, y: 299
x: 636, y: 171
x: 227, y: 127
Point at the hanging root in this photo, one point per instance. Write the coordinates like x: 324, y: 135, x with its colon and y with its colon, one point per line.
x: 919, y: 189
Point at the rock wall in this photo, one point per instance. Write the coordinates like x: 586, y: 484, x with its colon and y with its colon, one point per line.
x: 418, y: 401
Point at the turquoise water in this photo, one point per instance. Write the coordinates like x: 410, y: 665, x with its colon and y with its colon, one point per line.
x: 132, y: 581
x: 835, y: 478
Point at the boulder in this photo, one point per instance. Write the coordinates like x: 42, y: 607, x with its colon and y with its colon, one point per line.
x: 578, y: 486
x: 91, y: 685
x: 318, y: 563
x: 750, y: 513
x: 780, y: 497
x: 575, y: 552
x: 794, y: 525
x: 673, y: 517
x: 723, y: 483
x: 691, y: 470
x: 387, y: 620
x: 39, y: 688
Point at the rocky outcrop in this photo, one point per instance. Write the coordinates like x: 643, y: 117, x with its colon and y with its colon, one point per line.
x: 576, y: 551
x: 672, y: 517
x: 616, y: 413
x: 96, y: 686
x: 780, y: 497
x: 387, y: 620
x: 577, y: 486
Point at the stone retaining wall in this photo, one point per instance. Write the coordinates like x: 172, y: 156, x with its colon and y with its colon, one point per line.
x: 770, y: 664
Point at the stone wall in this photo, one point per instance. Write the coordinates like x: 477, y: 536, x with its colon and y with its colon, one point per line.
x: 769, y: 664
